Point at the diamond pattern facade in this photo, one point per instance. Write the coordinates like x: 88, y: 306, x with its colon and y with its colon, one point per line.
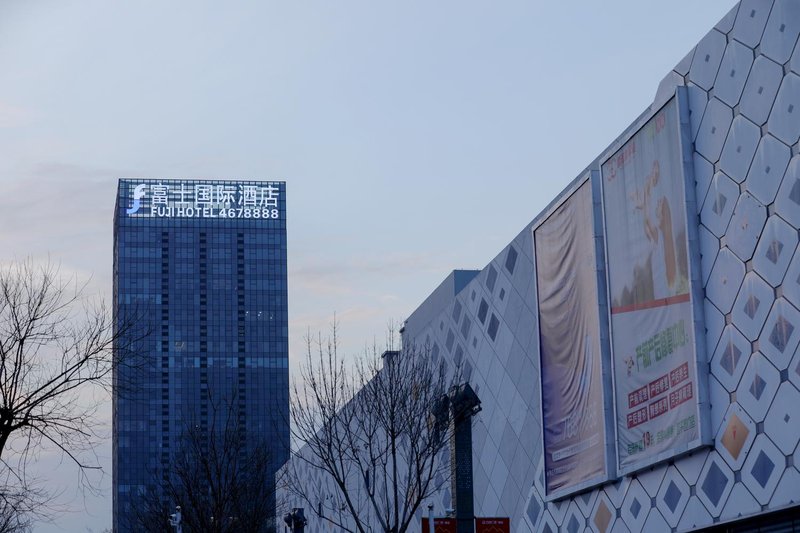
x: 743, y: 86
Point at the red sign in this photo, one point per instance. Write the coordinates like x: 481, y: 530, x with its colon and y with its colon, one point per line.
x: 681, y: 395
x: 659, y: 407
x: 637, y: 417
x: 638, y: 396
x: 440, y: 525
x: 658, y: 386
x: 492, y: 525
x: 679, y: 374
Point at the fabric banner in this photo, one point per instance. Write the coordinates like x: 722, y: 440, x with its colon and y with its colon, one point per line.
x: 652, y: 335
x: 569, y: 332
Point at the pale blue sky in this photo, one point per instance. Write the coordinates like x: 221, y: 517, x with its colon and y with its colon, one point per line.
x: 415, y: 137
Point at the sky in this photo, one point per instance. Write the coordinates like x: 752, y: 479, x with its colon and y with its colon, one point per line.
x: 414, y: 137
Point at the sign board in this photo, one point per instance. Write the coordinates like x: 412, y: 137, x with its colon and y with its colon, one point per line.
x: 440, y: 525
x: 654, y: 292
x: 575, y: 385
x: 492, y: 525
x: 201, y: 199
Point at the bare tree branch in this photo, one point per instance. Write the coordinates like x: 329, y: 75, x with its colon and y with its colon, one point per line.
x: 218, y: 477
x: 372, y: 430
x: 55, y: 346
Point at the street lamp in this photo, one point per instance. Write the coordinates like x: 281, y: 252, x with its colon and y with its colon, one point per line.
x: 175, y: 519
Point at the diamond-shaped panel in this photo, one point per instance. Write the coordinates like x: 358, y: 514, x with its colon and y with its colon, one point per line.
x: 706, y: 60
x: 719, y: 204
x: 762, y: 469
x: 769, y: 165
x: 603, y: 515
x: 635, y: 507
x: 750, y: 21
x: 780, y: 335
x: 787, y: 203
x: 760, y: 90
x: 752, y: 305
x: 739, y: 149
x: 733, y: 71
x: 784, y: 120
x: 534, y: 508
x: 783, y: 27
x: 715, y: 484
x: 735, y: 436
x: 730, y: 357
x: 783, y: 420
x: 726, y: 278
x: 672, y: 496
x: 713, y: 129
x: 758, y: 386
x: 745, y: 228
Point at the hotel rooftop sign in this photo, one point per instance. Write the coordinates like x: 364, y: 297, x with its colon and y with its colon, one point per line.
x: 202, y: 199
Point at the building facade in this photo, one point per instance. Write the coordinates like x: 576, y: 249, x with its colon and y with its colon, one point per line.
x: 726, y: 363
x: 201, y: 265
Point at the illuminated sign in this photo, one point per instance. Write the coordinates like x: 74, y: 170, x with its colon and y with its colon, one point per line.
x: 194, y: 199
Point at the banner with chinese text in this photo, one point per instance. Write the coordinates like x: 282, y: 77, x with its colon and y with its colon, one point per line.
x: 652, y: 319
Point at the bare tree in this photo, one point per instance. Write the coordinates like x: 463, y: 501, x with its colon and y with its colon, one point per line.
x: 376, y: 431
x: 219, y: 477
x: 54, y: 345
x: 16, y: 510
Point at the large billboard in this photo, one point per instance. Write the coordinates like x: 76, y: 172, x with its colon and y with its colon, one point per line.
x: 574, y: 403
x: 148, y: 198
x: 655, y: 323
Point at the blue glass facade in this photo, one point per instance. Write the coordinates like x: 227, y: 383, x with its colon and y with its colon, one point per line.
x: 203, y: 265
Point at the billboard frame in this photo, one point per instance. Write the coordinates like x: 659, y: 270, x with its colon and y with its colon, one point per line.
x: 609, y: 420
x: 691, y: 218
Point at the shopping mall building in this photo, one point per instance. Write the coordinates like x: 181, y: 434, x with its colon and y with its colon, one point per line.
x: 635, y: 347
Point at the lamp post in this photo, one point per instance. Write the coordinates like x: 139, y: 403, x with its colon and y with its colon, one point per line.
x: 296, y: 520
x: 464, y: 404
x: 175, y: 519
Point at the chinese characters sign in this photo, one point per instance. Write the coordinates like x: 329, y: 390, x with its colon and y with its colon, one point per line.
x: 573, y: 399
x: 652, y: 328
x: 492, y: 525
x: 193, y: 199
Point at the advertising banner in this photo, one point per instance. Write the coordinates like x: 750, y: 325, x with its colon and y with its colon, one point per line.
x: 652, y: 319
x: 573, y: 404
